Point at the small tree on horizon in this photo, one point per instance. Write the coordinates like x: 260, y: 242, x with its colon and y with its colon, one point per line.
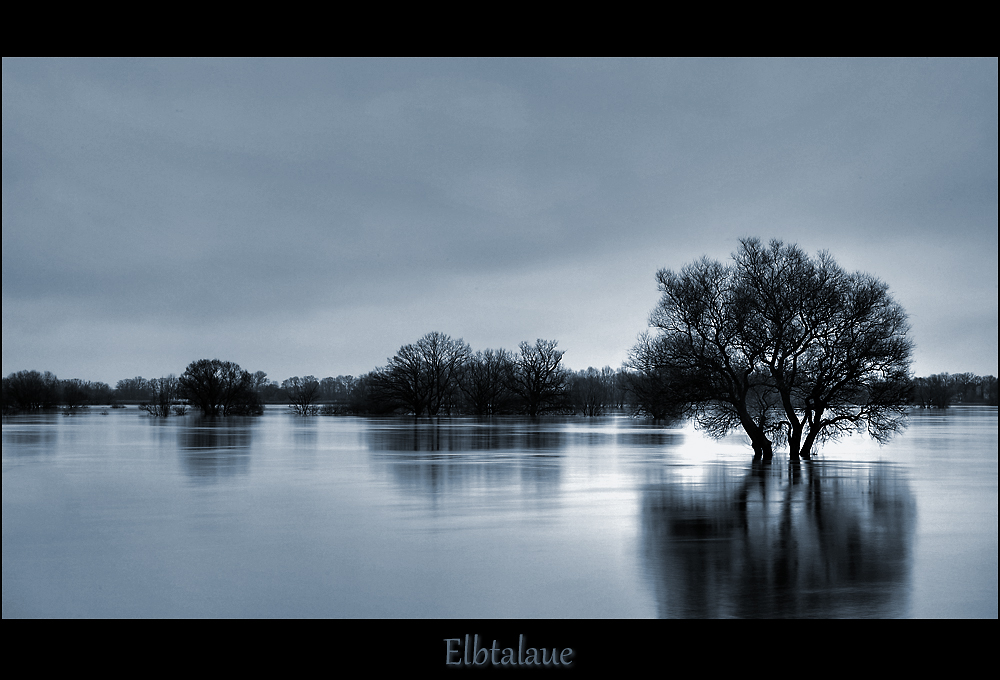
x: 303, y: 393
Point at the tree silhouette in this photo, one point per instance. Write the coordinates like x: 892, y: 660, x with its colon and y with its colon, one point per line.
x: 220, y: 388
x: 165, y: 391
x: 31, y: 390
x: 422, y: 377
x: 780, y: 344
x: 483, y: 382
x: 537, y: 376
x: 302, y: 394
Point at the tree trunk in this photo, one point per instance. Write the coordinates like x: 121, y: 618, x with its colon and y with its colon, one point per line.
x: 814, y: 417
x: 807, y: 446
x: 762, y: 449
x: 795, y: 441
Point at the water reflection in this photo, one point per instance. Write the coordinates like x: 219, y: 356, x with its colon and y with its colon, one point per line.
x: 816, y: 540
x: 435, y: 457
x: 304, y: 434
x: 650, y: 439
x: 125, y: 515
x: 464, y: 434
x: 215, y: 448
x: 29, y: 435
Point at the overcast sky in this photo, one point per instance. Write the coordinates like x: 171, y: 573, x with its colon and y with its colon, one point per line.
x: 310, y: 217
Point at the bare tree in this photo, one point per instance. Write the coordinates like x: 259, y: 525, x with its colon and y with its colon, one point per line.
x: 133, y: 389
x: 780, y: 342
x: 592, y: 391
x: 220, y: 388
x: 259, y: 381
x: 650, y: 382
x: 31, y: 390
x: 943, y: 389
x: 98, y: 392
x: 367, y: 395
x: 303, y: 393
x: 484, y: 379
x: 835, y: 344
x: 74, y: 392
x: 537, y: 376
x: 700, y: 351
x: 165, y: 392
x: 422, y: 377
x: 335, y: 393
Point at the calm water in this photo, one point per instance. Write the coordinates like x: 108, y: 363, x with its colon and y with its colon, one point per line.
x: 124, y: 515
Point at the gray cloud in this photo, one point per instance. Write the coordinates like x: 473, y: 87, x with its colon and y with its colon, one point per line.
x: 211, y: 207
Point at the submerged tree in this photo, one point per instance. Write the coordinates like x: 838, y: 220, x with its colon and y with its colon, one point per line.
x: 74, y: 392
x: 30, y: 390
x: 537, y: 378
x: 422, y: 377
x: 133, y: 389
x: 165, y: 393
x: 943, y: 389
x: 700, y: 359
x: 483, y: 382
x: 779, y: 343
x: 220, y: 388
x: 652, y: 383
x: 302, y: 394
x: 592, y: 392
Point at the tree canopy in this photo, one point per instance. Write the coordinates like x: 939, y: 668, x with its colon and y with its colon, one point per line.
x: 780, y: 344
x: 537, y: 376
x: 220, y: 388
x: 302, y: 394
x: 422, y: 376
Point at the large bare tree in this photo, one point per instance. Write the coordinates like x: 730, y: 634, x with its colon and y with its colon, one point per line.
x: 783, y: 345
x: 423, y: 377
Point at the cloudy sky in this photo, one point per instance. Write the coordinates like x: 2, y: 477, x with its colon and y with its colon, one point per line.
x: 309, y: 217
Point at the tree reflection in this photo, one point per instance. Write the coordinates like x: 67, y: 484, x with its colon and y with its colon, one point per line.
x: 29, y: 435
x: 464, y: 434
x: 810, y: 540
x: 212, y: 448
x: 434, y: 457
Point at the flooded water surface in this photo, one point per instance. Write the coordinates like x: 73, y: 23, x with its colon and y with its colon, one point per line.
x: 114, y: 514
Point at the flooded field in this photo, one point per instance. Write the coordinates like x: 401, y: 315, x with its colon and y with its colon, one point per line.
x: 115, y: 514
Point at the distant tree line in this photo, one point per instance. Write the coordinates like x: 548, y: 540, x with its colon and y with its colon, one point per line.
x: 434, y: 376
x: 34, y: 391
x: 943, y: 389
x: 440, y: 376
x: 215, y: 387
